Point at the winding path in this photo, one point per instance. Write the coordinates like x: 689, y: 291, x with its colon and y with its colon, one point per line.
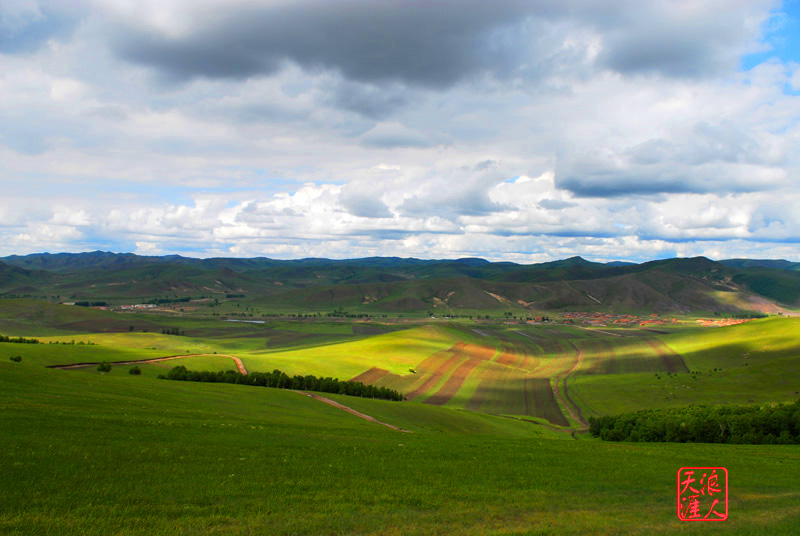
x: 239, y: 364
x: 576, y: 415
x: 352, y: 411
x: 243, y: 370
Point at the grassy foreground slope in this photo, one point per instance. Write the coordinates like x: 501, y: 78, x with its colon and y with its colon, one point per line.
x: 92, y: 454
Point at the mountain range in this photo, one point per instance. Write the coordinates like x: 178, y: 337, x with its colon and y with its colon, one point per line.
x: 679, y: 285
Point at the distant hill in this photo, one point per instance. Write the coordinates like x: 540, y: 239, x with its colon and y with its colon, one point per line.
x: 761, y: 263
x: 395, y: 284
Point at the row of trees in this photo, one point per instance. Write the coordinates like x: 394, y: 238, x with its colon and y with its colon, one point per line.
x: 769, y: 424
x: 172, y: 331
x: 18, y: 340
x: 341, y: 313
x: 163, y: 301
x: 281, y: 380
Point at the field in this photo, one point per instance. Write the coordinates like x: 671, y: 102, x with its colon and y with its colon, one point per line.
x: 494, y: 409
x: 226, y: 459
x: 756, y: 362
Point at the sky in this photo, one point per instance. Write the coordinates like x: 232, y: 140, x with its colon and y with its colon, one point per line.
x: 516, y: 130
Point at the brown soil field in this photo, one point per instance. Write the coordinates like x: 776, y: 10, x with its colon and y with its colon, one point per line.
x: 371, y: 376
x: 433, y: 376
x: 530, y: 361
x: 485, y: 353
x: 397, y: 382
x: 454, y: 382
x: 508, y: 357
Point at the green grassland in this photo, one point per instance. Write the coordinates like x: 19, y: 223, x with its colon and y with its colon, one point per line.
x: 492, y: 448
x: 122, y: 454
x: 551, y: 373
x: 755, y: 362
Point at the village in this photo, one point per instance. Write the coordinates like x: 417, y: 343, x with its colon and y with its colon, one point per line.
x: 710, y: 323
x: 607, y: 319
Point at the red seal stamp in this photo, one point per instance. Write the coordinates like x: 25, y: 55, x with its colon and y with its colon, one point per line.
x: 702, y: 494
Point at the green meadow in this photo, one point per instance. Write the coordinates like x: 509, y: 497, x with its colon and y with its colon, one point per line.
x: 119, y: 454
x: 496, y: 415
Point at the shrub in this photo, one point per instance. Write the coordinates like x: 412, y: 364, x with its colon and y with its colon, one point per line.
x: 135, y: 370
x: 16, y: 358
x: 104, y: 367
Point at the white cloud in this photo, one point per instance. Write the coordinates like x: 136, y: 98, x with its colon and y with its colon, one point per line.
x: 597, y: 144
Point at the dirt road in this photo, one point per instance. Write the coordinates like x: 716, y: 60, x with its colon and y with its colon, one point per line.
x: 576, y: 415
x: 239, y: 364
x: 352, y: 411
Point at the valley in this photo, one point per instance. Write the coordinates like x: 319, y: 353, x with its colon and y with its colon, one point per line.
x: 492, y: 437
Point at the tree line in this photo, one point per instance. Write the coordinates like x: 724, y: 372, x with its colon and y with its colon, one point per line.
x: 753, y: 424
x: 171, y: 331
x: 18, y: 340
x: 281, y: 380
x: 162, y: 301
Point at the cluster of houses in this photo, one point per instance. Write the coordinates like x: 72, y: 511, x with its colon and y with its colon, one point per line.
x: 709, y: 323
x: 137, y: 306
x: 606, y: 319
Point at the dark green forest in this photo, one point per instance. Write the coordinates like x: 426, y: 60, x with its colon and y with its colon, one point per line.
x: 755, y: 425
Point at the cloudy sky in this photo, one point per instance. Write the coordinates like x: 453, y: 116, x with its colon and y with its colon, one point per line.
x: 517, y: 130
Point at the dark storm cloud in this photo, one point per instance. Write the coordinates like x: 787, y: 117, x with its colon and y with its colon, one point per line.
x: 431, y: 44
x: 436, y: 44
x: 679, y: 42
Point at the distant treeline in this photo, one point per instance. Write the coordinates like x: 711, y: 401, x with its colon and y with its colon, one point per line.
x: 91, y: 304
x: 18, y: 340
x: 749, y: 316
x: 172, y: 331
x: 281, y: 380
x: 773, y: 424
x: 162, y: 301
